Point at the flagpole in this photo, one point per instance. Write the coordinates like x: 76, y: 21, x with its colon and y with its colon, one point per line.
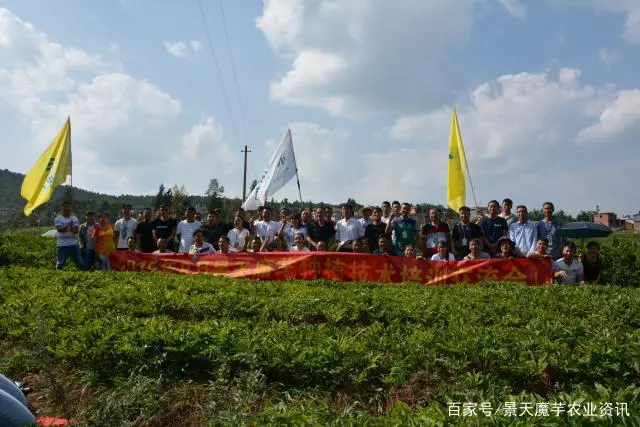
x: 70, y: 161
x: 296, y: 163
x: 466, y: 164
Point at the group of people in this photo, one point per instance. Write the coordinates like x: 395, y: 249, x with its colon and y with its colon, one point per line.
x: 387, y: 229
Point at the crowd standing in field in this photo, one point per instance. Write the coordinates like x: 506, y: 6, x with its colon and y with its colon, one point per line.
x: 385, y: 230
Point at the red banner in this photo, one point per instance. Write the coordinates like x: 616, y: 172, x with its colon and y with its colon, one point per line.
x: 338, y: 266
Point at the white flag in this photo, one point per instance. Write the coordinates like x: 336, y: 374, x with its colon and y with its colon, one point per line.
x: 281, y: 169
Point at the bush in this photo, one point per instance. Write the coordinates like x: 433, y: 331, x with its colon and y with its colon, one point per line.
x: 28, y: 249
x: 152, y: 347
x: 621, y: 255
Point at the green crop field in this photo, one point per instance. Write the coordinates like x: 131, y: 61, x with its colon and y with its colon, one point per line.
x: 151, y: 349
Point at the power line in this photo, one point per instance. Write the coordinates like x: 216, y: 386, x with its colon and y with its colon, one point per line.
x: 233, y: 68
x: 215, y: 60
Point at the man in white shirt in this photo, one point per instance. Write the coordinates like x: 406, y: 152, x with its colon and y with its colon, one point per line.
x: 68, y: 227
x: 124, y: 228
x: 186, y: 228
x: 348, y: 229
x: 506, y: 213
x: 366, y: 216
x: 568, y: 270
x: 386, y: 211
x: 265, y: 228
x: 524, y: 232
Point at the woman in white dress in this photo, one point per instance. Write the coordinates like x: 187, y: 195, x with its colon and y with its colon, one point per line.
x: 238, y: 235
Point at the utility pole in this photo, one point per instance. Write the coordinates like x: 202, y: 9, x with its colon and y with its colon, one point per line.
x: 244, y: 181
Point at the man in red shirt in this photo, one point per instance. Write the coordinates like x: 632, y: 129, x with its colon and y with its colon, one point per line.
x: 434, y: 232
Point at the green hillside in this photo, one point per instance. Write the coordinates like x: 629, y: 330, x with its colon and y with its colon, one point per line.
x: 10, y: 200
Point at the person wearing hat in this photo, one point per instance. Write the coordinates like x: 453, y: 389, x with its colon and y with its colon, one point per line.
x: 507, y: 248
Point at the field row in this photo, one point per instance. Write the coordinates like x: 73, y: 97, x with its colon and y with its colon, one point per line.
x: 296, y: 345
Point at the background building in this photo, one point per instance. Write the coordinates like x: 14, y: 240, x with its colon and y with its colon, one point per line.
x: 606, y: 218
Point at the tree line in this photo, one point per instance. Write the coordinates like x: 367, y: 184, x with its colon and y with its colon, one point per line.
x: 178, y: 198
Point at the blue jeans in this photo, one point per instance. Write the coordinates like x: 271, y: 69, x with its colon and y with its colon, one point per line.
x: 103, y: 262
x: 88, y: 256
x: 64, y: 252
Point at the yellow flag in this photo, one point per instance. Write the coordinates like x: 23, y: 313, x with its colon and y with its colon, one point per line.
x: 51, y: 170
x: 456, y: 190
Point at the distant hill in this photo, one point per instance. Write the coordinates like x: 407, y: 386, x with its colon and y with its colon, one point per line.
x: 10, y: 183
x: 12, y: 204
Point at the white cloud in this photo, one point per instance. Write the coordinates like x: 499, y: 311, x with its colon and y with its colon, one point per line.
x: 183, y: 49
x: 509, y: 112
x: 204, y: 143
x: 629, y: 8
x: 607, y: 56
x: 523, y: 130
x: 196, y: 45
x: 177, y: 49
x: 126, y: 132
x: 319, y: 160
x: 515, y: 8
x: 357, y: 57
x: 112, y: 99
x: 403, y: 174
x: 48, y: 65
x: 618, y: 120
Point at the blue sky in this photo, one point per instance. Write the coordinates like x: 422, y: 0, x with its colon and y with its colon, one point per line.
x: 547, y: 94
